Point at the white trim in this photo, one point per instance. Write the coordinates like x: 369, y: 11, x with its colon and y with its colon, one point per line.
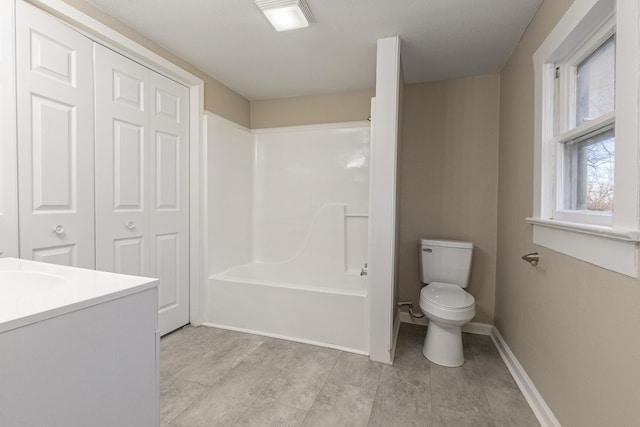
x: 569, y: 73
x: 306, y: 128
x: 627, y: 203
x: 539, y: 407
x: 475, y: 328
x: 569, y: 132
x: 107, y: 36
x: 606, y: 232
x: 198, y: 206
x: 613, y: 253
x: 587, y: 129
x: 614, y: 248
x: 541, y: 410
x: 383, y: 199
x: 285, y: 337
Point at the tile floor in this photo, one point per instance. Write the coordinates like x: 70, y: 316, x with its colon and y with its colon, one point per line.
x: 214, y: 377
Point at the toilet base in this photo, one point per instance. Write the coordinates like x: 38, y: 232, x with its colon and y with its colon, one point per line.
x: 443, y: 345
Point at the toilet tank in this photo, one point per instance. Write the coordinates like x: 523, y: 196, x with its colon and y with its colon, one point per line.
x: 445, y: 261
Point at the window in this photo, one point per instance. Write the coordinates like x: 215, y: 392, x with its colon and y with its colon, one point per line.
x: 584, y: 131
x: 586, y: 187
x: 588, y: 180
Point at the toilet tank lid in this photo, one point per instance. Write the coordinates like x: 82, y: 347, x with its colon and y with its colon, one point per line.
x: 446, y: 243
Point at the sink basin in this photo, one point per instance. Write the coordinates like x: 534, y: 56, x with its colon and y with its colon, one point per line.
x: 23, y: 292
x: 23, y: 283
x: 33, y: 291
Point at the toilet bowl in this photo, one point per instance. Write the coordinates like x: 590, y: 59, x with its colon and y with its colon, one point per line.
x: 448, y: 307
x: 445, y: 268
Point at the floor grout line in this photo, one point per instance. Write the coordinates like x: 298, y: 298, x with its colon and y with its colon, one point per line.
x: 306, y: 415
x: 379, y: 413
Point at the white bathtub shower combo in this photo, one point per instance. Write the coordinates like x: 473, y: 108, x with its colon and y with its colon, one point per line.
x: 289, y: 239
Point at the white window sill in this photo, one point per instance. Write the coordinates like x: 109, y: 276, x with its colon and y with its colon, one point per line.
x: 605, y: 247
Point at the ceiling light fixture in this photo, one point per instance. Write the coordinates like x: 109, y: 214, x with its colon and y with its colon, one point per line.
x: 286, y: 15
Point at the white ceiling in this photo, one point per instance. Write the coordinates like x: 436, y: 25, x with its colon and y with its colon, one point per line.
x: 232, y: 41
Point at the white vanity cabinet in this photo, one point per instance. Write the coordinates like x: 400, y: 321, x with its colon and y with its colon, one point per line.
x: 77, y: 347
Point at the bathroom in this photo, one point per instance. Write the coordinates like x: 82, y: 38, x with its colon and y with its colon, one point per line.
x: 467, y: 170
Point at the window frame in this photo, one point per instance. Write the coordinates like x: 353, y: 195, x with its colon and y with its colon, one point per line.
x: 609, y: 241
x: 565, y: 128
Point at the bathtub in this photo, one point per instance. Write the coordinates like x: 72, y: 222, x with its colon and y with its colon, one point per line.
x: 325, y: 308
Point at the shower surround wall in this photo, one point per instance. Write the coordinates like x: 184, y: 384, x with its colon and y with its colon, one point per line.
x: 288, y: 238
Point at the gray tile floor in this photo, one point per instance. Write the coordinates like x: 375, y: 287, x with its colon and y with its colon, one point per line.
x: 214, y: 377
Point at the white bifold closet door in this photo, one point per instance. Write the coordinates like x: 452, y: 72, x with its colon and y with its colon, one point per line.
x: 8, y: 163
x: 55, y: 140
x: 142, y: 179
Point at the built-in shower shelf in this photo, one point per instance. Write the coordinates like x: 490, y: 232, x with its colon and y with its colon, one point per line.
x: 356, y: 215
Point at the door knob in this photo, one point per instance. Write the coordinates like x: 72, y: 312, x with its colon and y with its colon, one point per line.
x: 131, y: 225
x: 59, y: 229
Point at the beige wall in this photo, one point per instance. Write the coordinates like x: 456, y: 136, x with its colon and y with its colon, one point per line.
x: 574, y: 327
x: 218, y: 98
x: 306, y: 110
x: 450, y: 178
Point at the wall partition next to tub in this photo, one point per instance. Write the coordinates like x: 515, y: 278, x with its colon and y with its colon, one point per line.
x: 288, y: 229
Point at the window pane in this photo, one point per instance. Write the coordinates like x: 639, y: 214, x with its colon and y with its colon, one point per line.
x: 596, y: 84
x: 589, y: 172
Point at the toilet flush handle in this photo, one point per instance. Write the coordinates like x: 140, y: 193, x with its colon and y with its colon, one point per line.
x: 532, y: 258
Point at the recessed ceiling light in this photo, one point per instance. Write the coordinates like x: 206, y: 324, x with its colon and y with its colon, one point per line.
x: 286, y: 15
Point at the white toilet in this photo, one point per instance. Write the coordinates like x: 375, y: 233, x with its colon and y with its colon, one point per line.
x: 445, y: 267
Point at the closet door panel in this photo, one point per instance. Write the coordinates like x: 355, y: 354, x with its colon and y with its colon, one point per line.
x: 55, y: 140
x: 167, y: 262
x: 169, y: 191
x: 121, y: 167
x: 142, y: 184
x: 63, y: 255
x: 53, y: 148
x: 167, y: 171
x: 128, y: 167
x: 129, y: 256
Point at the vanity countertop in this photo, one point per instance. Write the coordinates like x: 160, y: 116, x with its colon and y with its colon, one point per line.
x: 33, y: 291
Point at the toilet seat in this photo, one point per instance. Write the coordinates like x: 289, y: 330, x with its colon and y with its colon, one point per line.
x: 446, y: 296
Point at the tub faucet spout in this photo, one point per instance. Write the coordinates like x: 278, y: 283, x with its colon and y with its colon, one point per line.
x: 364, y: 270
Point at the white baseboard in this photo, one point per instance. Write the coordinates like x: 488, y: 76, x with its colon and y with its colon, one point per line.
x: 471, y: 327
x: 541, y: 410
x: 543, y: 413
